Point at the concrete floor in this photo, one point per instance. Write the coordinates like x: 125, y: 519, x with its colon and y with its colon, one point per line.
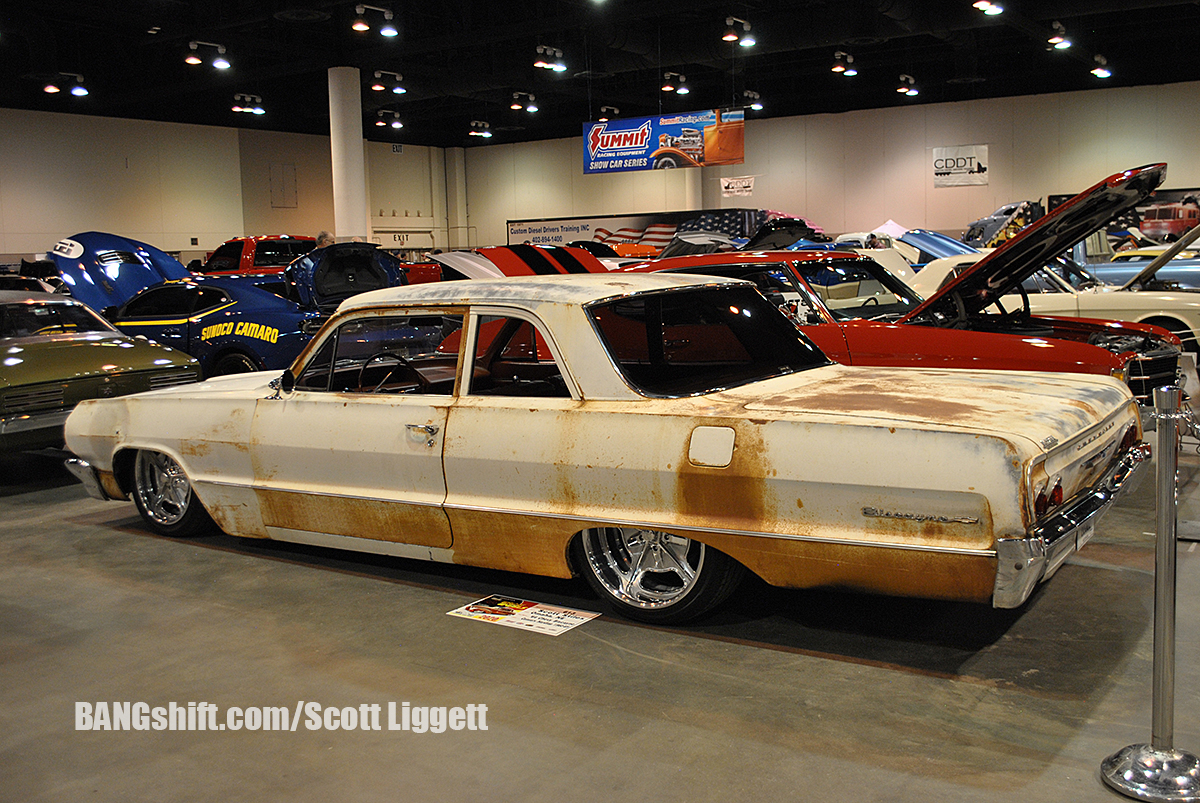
x: 780, y: 696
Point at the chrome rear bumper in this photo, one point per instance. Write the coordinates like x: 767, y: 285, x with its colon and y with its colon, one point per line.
x: 1023, y: 562
x: 84, y: 472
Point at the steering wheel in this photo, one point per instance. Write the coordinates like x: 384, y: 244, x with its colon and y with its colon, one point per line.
x: 401, y: 363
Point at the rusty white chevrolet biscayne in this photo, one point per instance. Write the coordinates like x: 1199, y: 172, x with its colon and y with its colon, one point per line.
x: 659, y: 434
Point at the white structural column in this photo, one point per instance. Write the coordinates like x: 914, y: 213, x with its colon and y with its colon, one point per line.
x: 350, y: 216
x: 458, y: 232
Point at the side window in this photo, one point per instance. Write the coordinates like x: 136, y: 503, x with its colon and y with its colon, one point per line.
x: 227, y: 257
x: 512, y: 359
x: 209, y: 297
x: 413, y: 353
x: 172, y: 302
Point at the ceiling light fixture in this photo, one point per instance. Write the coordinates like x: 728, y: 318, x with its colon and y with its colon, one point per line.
x: 480, y: 128
x: 744, y: 39
x: 843, y: 63
x: 528, y: 104
x: 1059, y: 40
x: 675, y: 82
x: 1101, y: 69
x: 907, y: 86
x: 606, y: 112
x: 394, y: 79
x: 753, y: 100
x: 388, y: 117
x: 360, y: 24
x: 219, y: 61
x: 989, y: 8
x: 250, y: 104
x: 550, y: 58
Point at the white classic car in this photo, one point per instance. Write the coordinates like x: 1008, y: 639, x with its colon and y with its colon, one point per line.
x: 1064, y: 288
x: 659, y: 434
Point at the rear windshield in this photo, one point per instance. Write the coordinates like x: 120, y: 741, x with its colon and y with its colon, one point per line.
x: 694, y: 341
x: 27, y: 320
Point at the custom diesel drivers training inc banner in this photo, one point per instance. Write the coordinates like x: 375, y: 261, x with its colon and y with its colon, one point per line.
x: 689, y: 139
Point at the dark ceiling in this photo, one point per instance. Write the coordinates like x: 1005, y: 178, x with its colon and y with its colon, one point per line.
x: 462, y: 60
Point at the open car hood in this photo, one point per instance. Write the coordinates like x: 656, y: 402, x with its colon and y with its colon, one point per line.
x: 1001, y: 271
x: 106, y: 270
x: 325, y: 277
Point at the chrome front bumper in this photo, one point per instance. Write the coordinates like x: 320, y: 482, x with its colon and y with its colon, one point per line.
x: 1023, y: 562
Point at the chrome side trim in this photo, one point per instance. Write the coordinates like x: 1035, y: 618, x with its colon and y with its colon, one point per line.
x: 84, y: 472
x: 353, y: 544
x: 1023, y: 562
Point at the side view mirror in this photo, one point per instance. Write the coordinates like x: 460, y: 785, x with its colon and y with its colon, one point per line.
x: 284, y: 383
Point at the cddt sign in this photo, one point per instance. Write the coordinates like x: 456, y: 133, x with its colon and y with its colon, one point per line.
x: 960, y: 165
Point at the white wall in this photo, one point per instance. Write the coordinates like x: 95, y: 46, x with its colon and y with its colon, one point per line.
x: 305, y: 156
x: 853, y: 171
x: 160, y: 182
x: 167, y: 183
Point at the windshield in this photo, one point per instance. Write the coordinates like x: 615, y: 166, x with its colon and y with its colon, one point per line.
x: 700, y: 340
x: 1073, y: 273
x: 858, y: 288
x: 24, y: 319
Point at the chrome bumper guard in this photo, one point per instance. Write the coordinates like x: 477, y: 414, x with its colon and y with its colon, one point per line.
x: 84, y: 472
x: 1023, y: 562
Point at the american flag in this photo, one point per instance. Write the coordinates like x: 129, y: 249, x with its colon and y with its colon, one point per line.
x: 731, y: 222
x: 658, y: 235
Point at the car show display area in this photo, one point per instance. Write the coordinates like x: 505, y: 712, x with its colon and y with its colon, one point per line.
x: 779, y: 691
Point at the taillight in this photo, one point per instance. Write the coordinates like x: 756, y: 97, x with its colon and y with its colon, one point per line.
x: 1044, y: 502
x: 1129, y: 439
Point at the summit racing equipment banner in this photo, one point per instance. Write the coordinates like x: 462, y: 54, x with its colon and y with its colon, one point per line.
x: 690, y: 139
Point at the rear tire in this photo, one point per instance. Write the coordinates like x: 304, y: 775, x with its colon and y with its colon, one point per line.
x: 654, y: 576
x: 164, y: 497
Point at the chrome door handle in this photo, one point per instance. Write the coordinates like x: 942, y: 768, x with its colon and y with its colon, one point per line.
x: 428, y: 429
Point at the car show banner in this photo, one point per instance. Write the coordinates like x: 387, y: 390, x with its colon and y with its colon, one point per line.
x: 960, y: 166
x: 689, y: 139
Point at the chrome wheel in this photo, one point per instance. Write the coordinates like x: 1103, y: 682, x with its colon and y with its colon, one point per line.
x: 646, y: 568
x: 163, y: 491
x: 655, y: 576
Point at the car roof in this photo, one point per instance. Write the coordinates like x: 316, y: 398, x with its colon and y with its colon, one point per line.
x: 562, y: 289
x: 18, y: 296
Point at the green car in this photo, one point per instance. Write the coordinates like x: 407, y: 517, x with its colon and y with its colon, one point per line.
x: 56, y: 352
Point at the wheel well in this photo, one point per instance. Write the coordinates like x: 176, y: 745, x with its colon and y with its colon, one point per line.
x: 1178, y: 327
x: 123, y: 469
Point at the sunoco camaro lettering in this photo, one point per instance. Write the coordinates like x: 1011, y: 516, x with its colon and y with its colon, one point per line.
x: 658, y: 434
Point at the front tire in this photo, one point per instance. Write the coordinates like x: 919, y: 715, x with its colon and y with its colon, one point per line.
x: 164, y: 497
x: 234, y: 363
x: 653, y: 576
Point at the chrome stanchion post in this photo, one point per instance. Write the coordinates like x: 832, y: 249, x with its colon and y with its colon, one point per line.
x: 1157, y: 771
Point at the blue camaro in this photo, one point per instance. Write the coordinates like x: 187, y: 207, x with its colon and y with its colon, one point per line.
x: 230, y: 324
